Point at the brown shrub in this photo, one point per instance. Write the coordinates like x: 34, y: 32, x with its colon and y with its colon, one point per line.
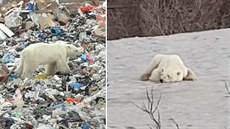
x: 164, y: 17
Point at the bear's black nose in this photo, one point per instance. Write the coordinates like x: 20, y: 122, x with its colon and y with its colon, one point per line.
x: 161, y: 80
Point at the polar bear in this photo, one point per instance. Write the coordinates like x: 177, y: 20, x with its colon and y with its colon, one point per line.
x: 55, y: 55
x: 167, y: 68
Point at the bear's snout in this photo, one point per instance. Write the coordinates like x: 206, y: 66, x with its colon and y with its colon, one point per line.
x: 80, y: 50
x: 161, y: 80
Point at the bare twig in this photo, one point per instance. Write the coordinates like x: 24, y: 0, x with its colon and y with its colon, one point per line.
x: 173, y: 120
x: 152, y: 109
x: 226, y: 86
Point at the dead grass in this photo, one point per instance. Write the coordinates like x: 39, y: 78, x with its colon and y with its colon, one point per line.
x: 164, y: 17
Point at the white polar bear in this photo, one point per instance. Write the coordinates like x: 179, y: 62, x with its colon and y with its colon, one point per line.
x: 55, y: 55
x: 167, y: 68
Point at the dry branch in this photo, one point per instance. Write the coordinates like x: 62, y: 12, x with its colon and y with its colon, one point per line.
x: 152, y: 109
x: 226, y: 86
x: 177, y: 125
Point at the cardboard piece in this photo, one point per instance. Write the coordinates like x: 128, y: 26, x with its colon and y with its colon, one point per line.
x: 72, y: 8
x: 50, y: 16
x: 63, y: 18
x: 47, y: 5
x: 45, y: 21
x: 52, y: 6
x: 8, y: 6
x: 5, y: 8
x: 41, y: 6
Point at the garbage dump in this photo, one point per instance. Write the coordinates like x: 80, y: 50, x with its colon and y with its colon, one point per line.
x: 74, y: 100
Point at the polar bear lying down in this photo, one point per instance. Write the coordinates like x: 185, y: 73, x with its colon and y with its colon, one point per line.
x: 55, y: 55
x: 167, y: 68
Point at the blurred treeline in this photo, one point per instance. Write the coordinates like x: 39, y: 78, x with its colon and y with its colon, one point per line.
x: 127, y: 18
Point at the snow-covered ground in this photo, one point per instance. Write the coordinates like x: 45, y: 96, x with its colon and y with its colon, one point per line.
x: 202, y: 104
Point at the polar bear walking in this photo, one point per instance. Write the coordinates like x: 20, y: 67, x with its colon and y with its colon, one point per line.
x: 55, y: 55
x: 167, y: 68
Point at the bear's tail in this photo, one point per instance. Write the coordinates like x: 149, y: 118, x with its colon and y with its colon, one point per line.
x: 20, y: 67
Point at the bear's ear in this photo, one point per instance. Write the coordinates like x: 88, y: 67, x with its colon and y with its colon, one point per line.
x: 162, y: 70
x: 190, y: 75
x: 68, y: 46
x: 178, y: 73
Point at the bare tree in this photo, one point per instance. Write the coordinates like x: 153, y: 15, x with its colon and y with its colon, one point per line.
x: 151, y: 108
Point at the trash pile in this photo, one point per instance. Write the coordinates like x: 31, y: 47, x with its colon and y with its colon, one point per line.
x: 63, y: 101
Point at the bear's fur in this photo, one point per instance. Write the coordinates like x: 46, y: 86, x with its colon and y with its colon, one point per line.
x: 167, y: 68
x: 55, y: 55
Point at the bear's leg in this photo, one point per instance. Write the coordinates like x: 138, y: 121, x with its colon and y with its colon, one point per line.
x: 63, y: 67
x: 19, y: 70
x: 191, y: 76
x: 20, y: 67
x: 51, y: 69
x: 155, y: 76
x: 153, y: 65
x: 28, y: 69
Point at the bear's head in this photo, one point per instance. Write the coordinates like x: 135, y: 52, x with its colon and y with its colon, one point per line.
x: 73, y: 51
x: 170, y: 75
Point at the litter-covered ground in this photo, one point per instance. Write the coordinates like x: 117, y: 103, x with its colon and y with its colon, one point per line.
x: 201, y: 104
x: 63, y: 101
